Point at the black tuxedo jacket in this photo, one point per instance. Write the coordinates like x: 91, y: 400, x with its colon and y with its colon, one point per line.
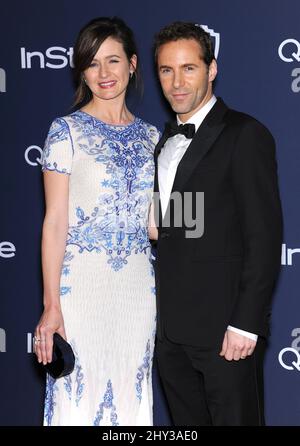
x: 225, y: 277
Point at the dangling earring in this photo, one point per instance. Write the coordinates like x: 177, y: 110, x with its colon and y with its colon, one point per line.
x: 131, y: 74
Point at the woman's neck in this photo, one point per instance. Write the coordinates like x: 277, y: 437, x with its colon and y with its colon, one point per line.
x: 111, y: 112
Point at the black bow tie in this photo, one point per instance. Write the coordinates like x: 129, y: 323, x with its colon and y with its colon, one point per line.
x: 171, y: 129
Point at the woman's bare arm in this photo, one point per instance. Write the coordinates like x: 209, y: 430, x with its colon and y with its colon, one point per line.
x: 54, y: 235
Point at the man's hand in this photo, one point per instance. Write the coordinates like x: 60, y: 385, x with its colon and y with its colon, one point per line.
x: 236, y: 346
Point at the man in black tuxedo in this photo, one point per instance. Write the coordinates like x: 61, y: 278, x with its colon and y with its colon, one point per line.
x: 214, y: 287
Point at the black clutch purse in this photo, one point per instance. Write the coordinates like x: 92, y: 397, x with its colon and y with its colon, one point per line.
x: 63, y: 359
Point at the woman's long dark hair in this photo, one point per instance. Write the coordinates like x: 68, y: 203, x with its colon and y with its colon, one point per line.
x: 87, y: 44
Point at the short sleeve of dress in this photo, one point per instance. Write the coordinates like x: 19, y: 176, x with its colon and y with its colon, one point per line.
x: 157, y: 135
x: 58, y: 150
x: 153, y: 134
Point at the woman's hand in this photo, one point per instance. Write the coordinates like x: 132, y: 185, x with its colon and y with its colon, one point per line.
x: 51, y: 322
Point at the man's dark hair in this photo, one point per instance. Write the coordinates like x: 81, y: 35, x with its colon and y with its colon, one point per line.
x: 185, y: 30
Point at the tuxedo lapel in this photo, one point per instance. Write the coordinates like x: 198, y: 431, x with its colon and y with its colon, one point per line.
x: 159, y: 146
x: 203, y: 140
x: 157, y: 150
x: 157, y: 204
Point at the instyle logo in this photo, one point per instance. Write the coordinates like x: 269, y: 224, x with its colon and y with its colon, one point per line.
x: 2, y: 81
x: 289, y: 357
x: 287, y: 255
x: 2, y: 340
x: 7, y: 250
x: 30, y: 345
x: 60, y: 58
x: 289, y: 361
x: 289, y: 52
x: 33, y: 155
x: 215, y: 36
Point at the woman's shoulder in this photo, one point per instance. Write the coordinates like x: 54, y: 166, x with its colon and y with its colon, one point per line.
x: 73, y: 116
x: 62, y: 121
x: 67, y: 123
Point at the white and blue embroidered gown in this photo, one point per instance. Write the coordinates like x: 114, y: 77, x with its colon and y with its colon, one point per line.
x: 107, y: 286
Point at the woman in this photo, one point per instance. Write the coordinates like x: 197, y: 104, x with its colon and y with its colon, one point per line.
x: 98, y: 280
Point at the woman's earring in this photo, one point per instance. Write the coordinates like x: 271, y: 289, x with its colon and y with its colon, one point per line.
x: 131, y: 74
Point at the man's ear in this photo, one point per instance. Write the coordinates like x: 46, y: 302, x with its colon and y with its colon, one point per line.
x: 212, y: 70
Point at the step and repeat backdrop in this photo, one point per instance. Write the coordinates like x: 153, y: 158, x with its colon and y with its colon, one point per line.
x: 257, y: 45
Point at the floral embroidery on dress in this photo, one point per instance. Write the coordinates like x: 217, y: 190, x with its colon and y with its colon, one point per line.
x: 59, y: 132
x: 51, y: 388
x: 65, y: 271
x: 66, y: 263
x: 78, y: 375
x: 142, y: 370
x: 107, y: 404
x: 68, y: 385
x: 65, y: 290
x: 118, y: 223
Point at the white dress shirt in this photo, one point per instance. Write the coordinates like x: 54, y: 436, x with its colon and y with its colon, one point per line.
x: 168, y: 160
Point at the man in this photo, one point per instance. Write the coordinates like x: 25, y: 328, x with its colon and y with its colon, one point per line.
x: 214, y: 291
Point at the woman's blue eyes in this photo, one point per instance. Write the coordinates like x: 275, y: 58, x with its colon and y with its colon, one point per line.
x: 94, y: 64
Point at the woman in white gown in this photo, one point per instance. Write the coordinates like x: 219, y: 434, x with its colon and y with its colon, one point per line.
x: 99, y: 291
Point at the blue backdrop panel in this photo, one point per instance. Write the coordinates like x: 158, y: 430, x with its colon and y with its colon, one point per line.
x: 259, y: 73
